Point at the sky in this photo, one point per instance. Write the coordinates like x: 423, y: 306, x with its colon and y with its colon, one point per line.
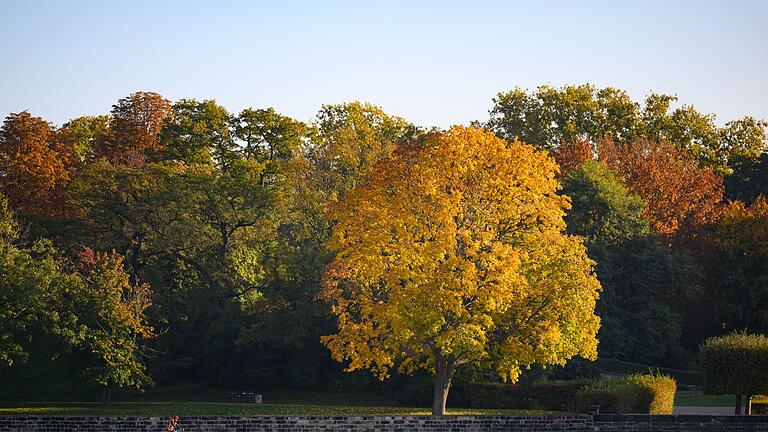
x: 436, y: 63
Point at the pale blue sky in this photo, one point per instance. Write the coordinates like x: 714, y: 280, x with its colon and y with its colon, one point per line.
x: 433, y: 62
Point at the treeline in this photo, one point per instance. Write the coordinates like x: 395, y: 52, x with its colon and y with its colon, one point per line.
x: 179, y: 241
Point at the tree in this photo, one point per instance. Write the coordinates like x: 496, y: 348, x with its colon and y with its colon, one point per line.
x: 453, y: 252
x: 696, y: 134
x: 571, y: 155
x: 110, y: 313
x: 137, y: 122
x: 645, y: 285
x: 34, y: 164
x: 744, y: 138
x: 603, y: 209
x: 281, y: 342
x: 749, y: 179
x: 741, y: 291
x: 87, y: 132
x: 30, y: 286
x: 267, y: 135
x: 548, y: 116
x: 735, y: 364
x: 198, y: 133
x: 129, y: 209
x: 349, y: 139
x: 680, y: 195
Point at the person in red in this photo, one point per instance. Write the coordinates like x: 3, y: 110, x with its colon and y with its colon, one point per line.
x: 173, y: 424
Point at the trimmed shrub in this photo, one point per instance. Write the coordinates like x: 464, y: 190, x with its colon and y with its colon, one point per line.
x: 647, y: 394
x: 735, y: 364
x: 760, y: 406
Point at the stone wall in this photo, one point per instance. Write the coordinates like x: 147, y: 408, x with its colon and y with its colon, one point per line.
x: 678, y: 423
x: 575, y: 423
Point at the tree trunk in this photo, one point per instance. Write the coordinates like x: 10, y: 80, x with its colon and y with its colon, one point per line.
x: 444, y: 368
x: 106, y: 395
x: 738, y: 404
x: 748, y: 405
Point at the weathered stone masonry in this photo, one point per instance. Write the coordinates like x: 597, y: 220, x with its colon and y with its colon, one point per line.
x: 575, y: 423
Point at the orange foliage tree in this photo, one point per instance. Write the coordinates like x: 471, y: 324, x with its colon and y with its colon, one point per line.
x: 34, y: 164
x: 571, y: 154
x: 137, y: 121
x: 681, y: 195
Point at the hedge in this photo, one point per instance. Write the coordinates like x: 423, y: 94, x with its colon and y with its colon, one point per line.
x: 760, y: 408
x: 546, y: 395
x: 646, y: 394
x: 735, y: 364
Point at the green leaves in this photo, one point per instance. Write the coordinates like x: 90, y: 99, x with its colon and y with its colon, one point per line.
x: 548, y: 116
x: 110, y: 313
x: 604, y: 210
x: 644, y: 284
x: 735, y: 364
x: 31, y: 280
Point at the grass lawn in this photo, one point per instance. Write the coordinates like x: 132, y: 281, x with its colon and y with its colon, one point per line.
x: 168, y: 409
x: 696, y: 398
x: 193, y: 400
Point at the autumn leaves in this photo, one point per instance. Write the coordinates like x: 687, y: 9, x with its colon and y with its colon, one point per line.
x: 454, y: 252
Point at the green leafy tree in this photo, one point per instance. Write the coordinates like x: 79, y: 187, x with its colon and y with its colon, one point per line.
x: 111, y: 317
x: 344, y: 144
x: 198, y: 133
x: 267, y: 135
x: 744, y: 138
x: 735, y: 364
x: 645, y: 285
x: 31, y: 282
x: 88, y: 132
x: 740, y: 293
x: 223, y: 250
x: 749, y: 179
x: 132, y: 210
x: 349, y: 139
x: 548, y: 116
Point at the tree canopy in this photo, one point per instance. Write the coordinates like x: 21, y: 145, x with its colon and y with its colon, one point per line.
x: 236, y: 230
x: 645, y: 285
x: 453, y: 252
x: 548, y: 115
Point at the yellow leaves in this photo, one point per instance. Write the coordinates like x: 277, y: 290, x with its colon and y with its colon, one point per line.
x: 455, y: 245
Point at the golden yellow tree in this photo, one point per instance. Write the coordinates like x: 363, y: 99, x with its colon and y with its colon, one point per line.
x: 454, y: 252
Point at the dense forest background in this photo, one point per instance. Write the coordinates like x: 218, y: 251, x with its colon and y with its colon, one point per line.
x: 209, y: 228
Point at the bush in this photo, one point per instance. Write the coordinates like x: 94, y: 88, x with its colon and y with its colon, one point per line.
x: 547, y: 395
x: 735, y: 364
x: 648, y: 394
x: 760, y: 408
